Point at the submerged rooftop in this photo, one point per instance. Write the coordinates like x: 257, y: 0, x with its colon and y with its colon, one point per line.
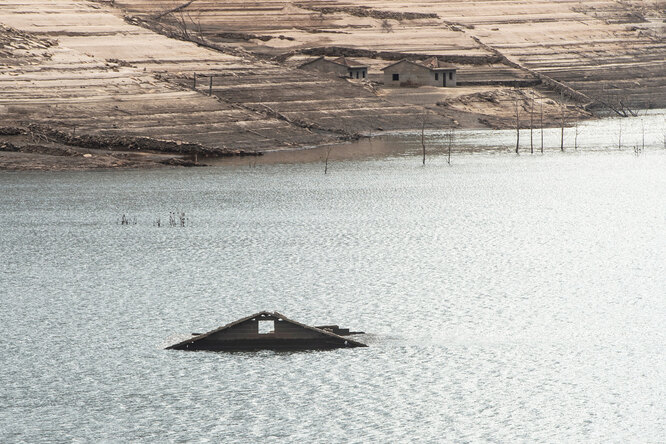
x: 271, y: 331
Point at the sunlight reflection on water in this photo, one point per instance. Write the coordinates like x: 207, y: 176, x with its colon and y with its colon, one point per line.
x: 506, y: 298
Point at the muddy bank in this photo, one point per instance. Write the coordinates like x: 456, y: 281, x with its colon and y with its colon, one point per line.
x: 38, y: 147
x: 339, y: 51
x: 114, y: 83
x: 51, y: 158
x: 505, y: 108
x: 365, y: 11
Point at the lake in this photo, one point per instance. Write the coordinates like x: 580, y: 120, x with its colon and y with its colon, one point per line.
x: 505, y: 298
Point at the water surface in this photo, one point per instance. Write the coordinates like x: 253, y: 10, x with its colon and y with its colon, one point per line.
x: 505, y: 298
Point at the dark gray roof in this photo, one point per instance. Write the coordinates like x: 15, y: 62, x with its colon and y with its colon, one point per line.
x: 343, y: 61
x: 432, y: 63
x: 265, y: 315
x: 349, y: 62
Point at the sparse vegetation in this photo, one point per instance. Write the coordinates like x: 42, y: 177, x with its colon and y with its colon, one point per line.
x: 328, y: 153
x: 176, y: 219
x: 562, y: 124
x: 424, y: 121
x: 541, y: 124
x: 617, y: 101
x: 517, y: 109
x: 532, y: 124
x: 364, y: 11
x: 450, y: 135
x: 124, y: 220
x: 256, y: 80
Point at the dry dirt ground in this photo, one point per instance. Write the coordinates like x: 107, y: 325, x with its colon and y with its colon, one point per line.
x: 122, y: 72
x: 604, y: 49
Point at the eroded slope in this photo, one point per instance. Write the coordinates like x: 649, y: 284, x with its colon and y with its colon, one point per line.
x: 89, y: 71
x: 607, y: 50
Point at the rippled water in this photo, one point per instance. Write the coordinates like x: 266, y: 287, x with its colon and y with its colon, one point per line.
x: 505, y: 298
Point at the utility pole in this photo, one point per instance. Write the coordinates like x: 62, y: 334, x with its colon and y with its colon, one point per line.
x: 424, y: 119
x: 541, y: 101
x: 532, y: 123
x: 451, y: 134
x: 562, y: 133
x: 517, y: 127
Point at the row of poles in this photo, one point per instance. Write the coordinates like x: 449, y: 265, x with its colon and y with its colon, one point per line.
x: 210, y: 83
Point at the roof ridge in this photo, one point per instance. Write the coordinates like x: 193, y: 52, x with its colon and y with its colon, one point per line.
x: 276, y: 314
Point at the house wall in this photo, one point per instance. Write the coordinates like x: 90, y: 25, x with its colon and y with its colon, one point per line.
x: 414, y: 75
x: 409, y: 75
x: 451, y: 79
x: 326, y: 66
x: 249, y: 330
x: 358, y: 73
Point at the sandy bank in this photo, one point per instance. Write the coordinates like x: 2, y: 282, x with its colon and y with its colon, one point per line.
x: 127, y: 83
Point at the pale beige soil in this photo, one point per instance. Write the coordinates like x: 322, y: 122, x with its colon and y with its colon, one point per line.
x: 93, y: 67
x: 21, y: 161
x: 605, y: 49
x: 23, y: 152
x: 103, y: 75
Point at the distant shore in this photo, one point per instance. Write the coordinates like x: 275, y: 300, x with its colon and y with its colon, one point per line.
x: 19, y: 152
x: 189, y: 94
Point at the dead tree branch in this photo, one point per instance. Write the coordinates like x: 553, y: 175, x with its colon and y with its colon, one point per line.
x: 173, y: 10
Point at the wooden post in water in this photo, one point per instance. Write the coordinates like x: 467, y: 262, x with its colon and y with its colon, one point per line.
x: 532, y: 124
x: 451, y: 135
x: 423, y: 142
x: 517, y: 127
x: 424, y: 120
x: 562, y: 134
x: 328, y: 153
x: 449, y: 159
x: 541, y: 125
x: 210, y: 86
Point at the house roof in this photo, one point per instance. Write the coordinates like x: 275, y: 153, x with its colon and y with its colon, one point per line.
x: 435, y: 63
x: 349, y: 63
x: 343, y: 61
x: 310, y: 61
x: 432, y: 63
x: 264, y: 315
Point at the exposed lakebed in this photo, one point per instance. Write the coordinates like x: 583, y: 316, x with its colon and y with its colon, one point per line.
x: 505, y: 298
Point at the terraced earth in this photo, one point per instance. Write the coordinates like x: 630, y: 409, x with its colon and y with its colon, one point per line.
x: 606, y: 50
x: 82, y: 68
x: 129, y: 69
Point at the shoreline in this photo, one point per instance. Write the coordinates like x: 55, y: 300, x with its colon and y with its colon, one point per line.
x: 152, y: 91
x: 377, y: 145
x: 20, y: 153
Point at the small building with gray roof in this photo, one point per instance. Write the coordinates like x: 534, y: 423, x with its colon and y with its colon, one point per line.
x: 342, y: 67
x: 429, y: 72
